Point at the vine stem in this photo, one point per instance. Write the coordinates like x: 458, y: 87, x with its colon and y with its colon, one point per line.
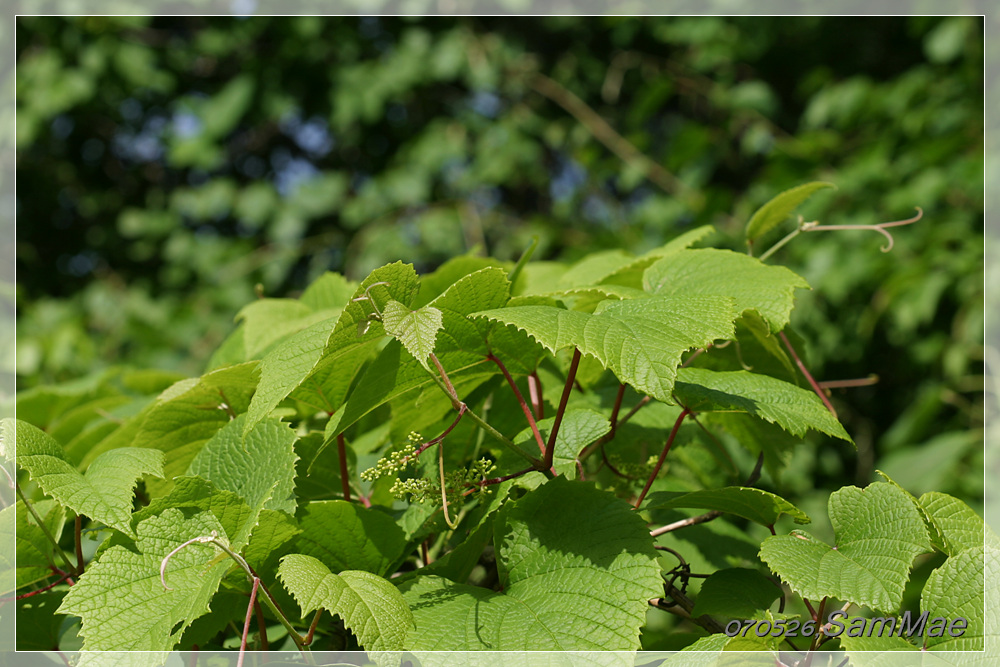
x: 663, y: 455
x: 345, y: 482
x: 805, y: 371
x: 246, y: 622
x: 684, y: 523
x: 446, y: 386
x: 77, y: 530
x: 312, y: 627
x: 29, y: 594
x: 550, y: 448
x: 444, y: 491
x: 535, y: 394
x: 497, y: 480
x: 45, y: 529
x: 520, y: 399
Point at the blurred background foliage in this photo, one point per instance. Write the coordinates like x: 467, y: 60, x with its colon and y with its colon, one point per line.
x: 170, y: 170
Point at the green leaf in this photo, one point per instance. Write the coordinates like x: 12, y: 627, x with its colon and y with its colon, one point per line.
x: 267, y: 320
x: 461, y: 349
x: 774, y: 212
x: 344, y: 536
x: 187, y: 414
x: 273, y: 531
x: 34, y: 550
x: 735, y: 592
x: 259, y: 468
x: 576, y: 568
x: 329, y: 291
x: 879, y: 533
x: 641, y: 340
x: 956, y: 525
x: 293, y: 361
x: 104, y: 492
x: 121, y: 599
x: 579, y: 428
x: 768, y: 290
x: 753, y: 504
x: 631, y: 274
x: 417, y: 330
x: 957, y: 590
x: 793, y: 408
x: 371, y: 607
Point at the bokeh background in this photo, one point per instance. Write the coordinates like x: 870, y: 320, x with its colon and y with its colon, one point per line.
x: 171, y: 169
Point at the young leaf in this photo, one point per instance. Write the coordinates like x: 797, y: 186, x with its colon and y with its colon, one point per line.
x: 735, y: 592
x: 753, y: 504
x: 121, y: 598
x: 879, y: 533
x: 346, y: 536
x: 768, y: 290
x: 774, y: 212
x: 641, y: 340
x: 630, y: 275
x: 330, y: 290
x: 259, y: 468
x: 104, y: 492
x: 793, y: 408
x: 576, y: 568
x: 290, y: 363
x: 417, y: 330
x: 371, y: 607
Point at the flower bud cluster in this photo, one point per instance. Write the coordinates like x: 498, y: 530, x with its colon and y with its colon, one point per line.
x: 394, y: 461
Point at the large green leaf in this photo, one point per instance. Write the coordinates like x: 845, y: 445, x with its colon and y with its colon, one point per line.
x: 417, y: 330
x: 121, y: 599
x: 735, y: 592
x: 104, y: 492
x: 346, y: 536
x: 768, y: 290
x: 259, y: 468
x: 641, y: 340
x: 577, y: 567
x: 793, y: 408
x: 187, y: 414
x: 879, y: 533
x: 774, y: 212
x: 371, y: 607
x: 290, y: 363
x: 267, y: 320
x: 753, y: 504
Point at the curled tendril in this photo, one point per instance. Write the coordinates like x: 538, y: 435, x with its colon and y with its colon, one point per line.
x: 368, y: 297
x: 880, y: 227
x: 163, y: 564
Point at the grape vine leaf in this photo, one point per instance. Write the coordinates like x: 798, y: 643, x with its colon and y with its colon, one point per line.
x: 774, y: 212
x: 34, y: 550
x: 735, y: 592
x: 416, y: 330
x: 879, y: 533
x: 371, y: 607
x: 754, y: 504
x: 641, y: 340
x: 345, y: 536
x: 187, y: 414
x: 576, y: 565
x: 957, y: 590
x: 955, y: 525
x: 461, y: 347
x: 258, y: 467
x: 291, y: 362
x: 793, y: 408
x: 121, y: 599
x: 103, y: 493
x: 768, y: 290
x: 580, y: 427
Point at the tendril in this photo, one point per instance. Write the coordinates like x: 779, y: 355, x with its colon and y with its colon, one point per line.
x: 163, y: 564
x: 880, y: 227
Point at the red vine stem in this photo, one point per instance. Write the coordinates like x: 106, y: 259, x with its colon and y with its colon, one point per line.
x: 520, y: 399
x: 496, y: 480
x: 430, y: 443
x: 307, y: 640
x: 663, y: 455
x: 345, y: 482
x: 805, y: 371
x: 550, y: 448
x: 535, y: 394
x: 40, y: 590
x: 246, y: 623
